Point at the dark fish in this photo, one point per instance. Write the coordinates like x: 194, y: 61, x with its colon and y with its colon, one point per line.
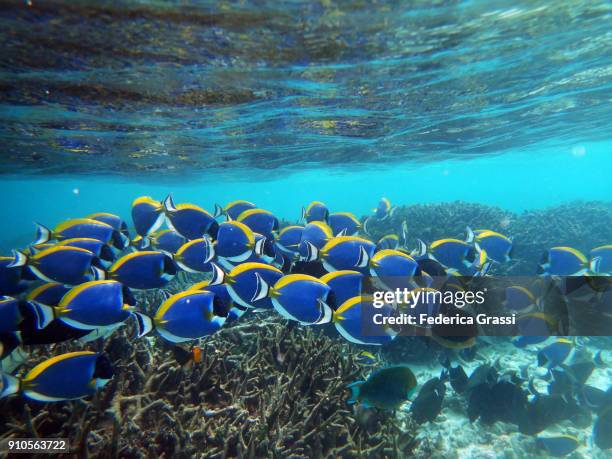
x: 602, y: 429
x: 386, y: 389
x: 502, y: 401
x: 484, y: 374
x: 428, y: 404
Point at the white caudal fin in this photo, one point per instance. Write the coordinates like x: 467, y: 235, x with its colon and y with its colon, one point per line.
x: 364, y: 258
x: 43, y: 234
x: 421, y: 249
x: 470, y: 235
x: 19, y: 259
x: 365, y: 225
x: 405, y: 233
x: 262, y: 290
x: 209, y: 249
x: 218, y: 275
x: 326, y: 313
x: 259, y: 246
x: 341, y: 233
x: 44, y: 314
x: 218, y: 211
x: 312, y: 252
x: 595, y: 265
x: 144, y: 323
x: 97, y: 273
x: 169, y: 204
x: 303, y: 215
x: 8, y: 385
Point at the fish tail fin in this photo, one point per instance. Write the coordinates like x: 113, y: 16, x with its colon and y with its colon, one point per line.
x: 144, y: 323
x: 303, y: 214
x: 98, y: 273
x: 262, y: 290
x: 44, y: 314
x: 43, y: 234
x: 209, y: 249
x: 595, y: 264
x: 218, y: 211
x: 259, y: 246
x: 19, y: 259
x: 470, y: 235
x: 312, y: 251
x: 218, y: 275
x: 169, y: 204
x: 365, y: 225
x: 341, y: 233
x: 355, y: 390
x: 405, y: 233
x: 9, y: 385
x: 421, y: 249
x: 326, y: 315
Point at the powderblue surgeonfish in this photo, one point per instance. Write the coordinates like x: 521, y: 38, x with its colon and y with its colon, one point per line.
x: 143, y: 270
x: 64, y: 264
x: 556, y: 353
x: 98, y: 248
x: 298, y: 297
x: 601, y: 260
x: 194, y: 256
x: 49, y: 294
x: 166, y: 240
x: 288, y: 240
x: 236, y: 242
x: 233, y: 210
x: 243, y: 283
x: 393, y: 269
x: 533, y: 328
x: 10, y: 277
x: 64, y: 377
x: 385, y: 389
x: 223, y: 299
x: 93, y: 305
x: 563, y: 261
x: 455, y: 255
x: 519, y: 299
x: 498, y: 247
x: 558, y: 446
x: 345, y: 284
x: 189, y: 220
x: 315, y: 211
x: 354, y: 320
x: 77, y: 228
x: 260, y: 221
x: 390, y: 241
x: 345, y: 252
x: 12, y: 313
x: 147, y: 215
x: 314, y: 236
x: 183, y: 317
x: 122, y: 233
x: 384, y: 209
x: 344, y: 224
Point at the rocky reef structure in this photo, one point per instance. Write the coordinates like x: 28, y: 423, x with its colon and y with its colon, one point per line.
x: 264, y: 388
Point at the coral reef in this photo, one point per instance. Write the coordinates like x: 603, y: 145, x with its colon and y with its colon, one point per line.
x: 263, y: 389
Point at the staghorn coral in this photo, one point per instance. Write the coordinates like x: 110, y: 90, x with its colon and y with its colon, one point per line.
x: 264, y: 388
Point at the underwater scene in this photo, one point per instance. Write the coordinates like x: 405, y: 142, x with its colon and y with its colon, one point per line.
x: 294, y: 229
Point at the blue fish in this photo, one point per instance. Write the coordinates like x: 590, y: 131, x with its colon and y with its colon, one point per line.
x: 10, y: 277
x: 394, y: 269
x: 93, y: 305
x: 64, y: 377
x: 288, y: 240
x: 260, y: 221
x: 366, y: 358
x: 556, y: 353
x: 243, y: 280
x: 143, y: 270
x: 346, y: 252
x: 77, y: 228
x: 166, y: 240
x: 601, y: 260
x: 63, y: 264
x: 98, y: 248
x: 49, y: 294
x: 453, y: 254
x: 384, y: 209
x: 236, y: 242
x: 225, y: 303
x: 519, y: 299
x: 189, y: 220
x: 498, y: 247
x: 563, y: 261
x: 147, y: 215
x: 194, y: 256
x: 297, y: 297
x: 233, y: 210
x: 316, y: 211
x: 12, y: 312
x: 122, y: 233
x: 558, y: 446
x: 354, y: 321
x: 344, y: 224
x: 390, y: 241
x: 534, y: 328
x: 344, y: 284
x: 183, y: 317
x: 314, y: 236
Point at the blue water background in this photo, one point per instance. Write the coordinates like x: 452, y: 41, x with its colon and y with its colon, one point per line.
x: 527, y: 179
